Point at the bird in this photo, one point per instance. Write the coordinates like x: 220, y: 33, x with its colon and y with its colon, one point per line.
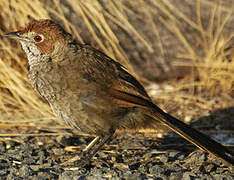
x: 93, y: 93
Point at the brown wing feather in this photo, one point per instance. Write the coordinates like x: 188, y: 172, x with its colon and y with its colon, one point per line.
x: 105, y: 68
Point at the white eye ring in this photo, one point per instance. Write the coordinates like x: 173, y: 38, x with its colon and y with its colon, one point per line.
x: 38, y: 38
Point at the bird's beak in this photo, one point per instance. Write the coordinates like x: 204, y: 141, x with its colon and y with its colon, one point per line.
x: 14, y: 35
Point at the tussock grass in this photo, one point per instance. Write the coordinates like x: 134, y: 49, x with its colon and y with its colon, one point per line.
x: 211, y: 59
x: 212, y: 66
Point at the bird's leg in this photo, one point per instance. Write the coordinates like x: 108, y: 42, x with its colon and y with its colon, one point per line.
x: 84, y: 151
x: 99, y: 146
x: 88, y: 152
x: 91, y: 144
x: 83, y: 154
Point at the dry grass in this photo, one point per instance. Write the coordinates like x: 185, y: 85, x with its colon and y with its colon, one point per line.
x: 216, y: 66
x: 213, y: 68
x: 211, y: 60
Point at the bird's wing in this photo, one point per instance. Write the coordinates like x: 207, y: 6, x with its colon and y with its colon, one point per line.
x: 107, y: 72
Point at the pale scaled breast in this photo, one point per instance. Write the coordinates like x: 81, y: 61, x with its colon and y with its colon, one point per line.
x: 47, y: 87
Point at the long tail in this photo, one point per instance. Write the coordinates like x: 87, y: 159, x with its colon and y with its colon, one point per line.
x: 197, y: 138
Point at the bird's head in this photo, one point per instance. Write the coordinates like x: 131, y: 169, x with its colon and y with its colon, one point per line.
x: 40, y: 37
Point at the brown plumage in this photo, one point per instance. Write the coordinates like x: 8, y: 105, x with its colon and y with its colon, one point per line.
x: 93, y: 93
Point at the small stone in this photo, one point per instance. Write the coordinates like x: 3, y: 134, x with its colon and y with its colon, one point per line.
x: 210, y: 168
x: 25, y: 171
x: 157, y: 170
x: 188, y: 176
x: 176, y: 176
x: 58, y: 151
x: 35, y: 167
x: 108, y: 175
x: 164, y: 158
x: 173, y: 153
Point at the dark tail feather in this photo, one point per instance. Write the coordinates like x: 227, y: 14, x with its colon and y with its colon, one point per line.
x: 197, y: 138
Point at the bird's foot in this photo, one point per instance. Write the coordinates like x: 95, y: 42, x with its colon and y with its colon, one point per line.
x: 76, y: 162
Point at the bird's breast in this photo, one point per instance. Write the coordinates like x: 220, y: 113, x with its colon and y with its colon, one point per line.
x: 47, y: 81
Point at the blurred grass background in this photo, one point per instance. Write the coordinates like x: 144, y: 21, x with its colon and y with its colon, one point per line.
x: 188, y: 44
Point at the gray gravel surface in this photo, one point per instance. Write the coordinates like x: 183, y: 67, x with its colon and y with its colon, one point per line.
x: 128, y: 156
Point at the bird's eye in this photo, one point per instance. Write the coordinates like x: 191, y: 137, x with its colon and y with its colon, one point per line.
x: 38, y: 38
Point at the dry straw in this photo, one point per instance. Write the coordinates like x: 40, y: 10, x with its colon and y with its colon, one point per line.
x: 213, y: 68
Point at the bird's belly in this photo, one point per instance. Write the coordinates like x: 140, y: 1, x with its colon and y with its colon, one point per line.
x: 85, y: 113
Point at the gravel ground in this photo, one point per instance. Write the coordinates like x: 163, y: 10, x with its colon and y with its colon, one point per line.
x: 128, y: 156
x: 141, y: 155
